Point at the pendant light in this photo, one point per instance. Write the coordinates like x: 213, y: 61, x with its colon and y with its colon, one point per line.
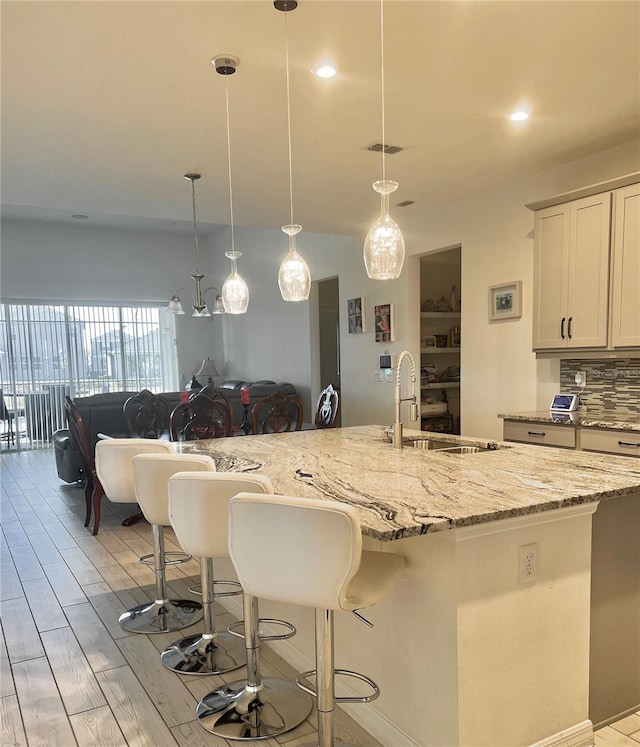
x: 294, y: 277
x: 384, y: 245
x: 235, y: 292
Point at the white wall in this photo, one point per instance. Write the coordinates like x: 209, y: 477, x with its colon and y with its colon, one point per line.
x: 57, y: 262
x: 498, y: 370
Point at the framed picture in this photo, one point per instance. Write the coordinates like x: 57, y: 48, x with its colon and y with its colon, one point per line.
x: 429, y: 341
x: 384, y: 323
x: 505, y: 301
x: 356, y: 315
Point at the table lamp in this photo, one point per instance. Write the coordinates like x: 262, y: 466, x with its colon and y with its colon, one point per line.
x: 208, y: 369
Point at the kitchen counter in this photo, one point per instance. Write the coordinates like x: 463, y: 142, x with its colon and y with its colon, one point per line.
x: 446, y: 637
x: 414, y: 491
x: 585, y: 419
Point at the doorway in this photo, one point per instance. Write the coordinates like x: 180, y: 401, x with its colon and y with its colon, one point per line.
x: 329, y: 333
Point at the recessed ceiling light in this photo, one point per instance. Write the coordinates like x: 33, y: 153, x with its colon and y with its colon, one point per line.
x: 78, y: 216
x: 519, y: 116
x: 325, y: 71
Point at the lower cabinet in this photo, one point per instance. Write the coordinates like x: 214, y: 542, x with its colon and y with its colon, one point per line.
x: 540, y: 433
x: 626, y: 443
x: 613, y: 442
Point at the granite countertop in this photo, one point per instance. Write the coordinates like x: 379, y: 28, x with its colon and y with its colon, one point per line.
x: 408, y: 492
x: 583, y: 418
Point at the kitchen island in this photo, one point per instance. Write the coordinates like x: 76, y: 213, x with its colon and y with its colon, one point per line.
x: 467, y: 649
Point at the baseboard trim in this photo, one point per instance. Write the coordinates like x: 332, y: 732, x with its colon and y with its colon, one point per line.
x: 376, y: 723
x: 580, y: 735
x: 617, y: 717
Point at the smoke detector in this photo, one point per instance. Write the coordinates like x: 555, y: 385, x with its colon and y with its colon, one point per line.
x: 225, y: 64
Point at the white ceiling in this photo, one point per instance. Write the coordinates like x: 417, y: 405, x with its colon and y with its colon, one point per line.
x: 105, y: 105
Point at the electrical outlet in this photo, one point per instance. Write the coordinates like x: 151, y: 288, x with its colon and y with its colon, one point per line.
x: 528, y: 563
x: 378, y: 374
x: 581, y: 378
x: 388, y: 375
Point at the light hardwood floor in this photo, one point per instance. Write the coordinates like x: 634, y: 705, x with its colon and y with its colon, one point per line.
x: 69, y: 675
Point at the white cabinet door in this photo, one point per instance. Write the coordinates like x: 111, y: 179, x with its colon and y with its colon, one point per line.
x: 625, y: 309
x: 551, y: 242
x: 571, y: 274
x: 588, y: 277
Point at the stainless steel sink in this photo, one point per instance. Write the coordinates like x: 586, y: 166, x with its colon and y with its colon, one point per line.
x: 440, y: 445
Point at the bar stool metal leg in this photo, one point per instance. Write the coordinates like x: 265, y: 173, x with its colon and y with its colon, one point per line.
x: 209, y: 652
x: 258, y: 708
x: 161, y: 615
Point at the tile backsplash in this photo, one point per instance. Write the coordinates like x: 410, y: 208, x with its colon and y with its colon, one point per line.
x: 611, y: 384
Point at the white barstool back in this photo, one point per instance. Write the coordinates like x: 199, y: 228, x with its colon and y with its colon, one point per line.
x: 151, y: 473
x: 113, y: 464
x: 309, y: 552
x: 199, y: 508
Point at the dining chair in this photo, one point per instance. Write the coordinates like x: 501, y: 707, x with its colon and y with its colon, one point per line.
x: 277, y: 413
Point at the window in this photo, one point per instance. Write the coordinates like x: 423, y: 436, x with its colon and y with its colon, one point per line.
x: 48, y: 351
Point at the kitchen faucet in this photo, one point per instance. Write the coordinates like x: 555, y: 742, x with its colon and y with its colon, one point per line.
x: 413, y: 410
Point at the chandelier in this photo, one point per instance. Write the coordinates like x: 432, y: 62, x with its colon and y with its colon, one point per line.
x: 199, y: 305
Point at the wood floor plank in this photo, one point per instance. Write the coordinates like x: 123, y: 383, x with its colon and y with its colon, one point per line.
x: 166, y: 689
x: 134, y: 711
x: 610, y: 737
x: 96, y: 552
x: 44, y: 606
x: 26, y: 563
x: 59, y: 535
x: 10, y: 586
x: 45, y: 549
x: 81, y: 567
x: 108, y: 606
x: 45, y: 720
x: 76, y: 682
x: 67, y: 590
x: 6, y: 678
x: 14, y: 533
x: 193, y: 735
x: 97, y: 727
x: 628, y: 725
x: 11, y: 729
x: 20, y: 632
x: 98, y: 646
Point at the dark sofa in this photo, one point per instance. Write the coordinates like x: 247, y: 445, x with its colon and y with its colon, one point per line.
x: 103, y: 413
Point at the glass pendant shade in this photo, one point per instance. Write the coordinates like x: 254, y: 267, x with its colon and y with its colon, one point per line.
x: 218, y: 305
x: 384, y: 244
x: 294, y: 277
x: 235, y: 292
x: 175, y: 305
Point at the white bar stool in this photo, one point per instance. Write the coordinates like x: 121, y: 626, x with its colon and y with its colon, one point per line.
x: 151, y: 474
x: 113, y: 464
x: 198, y: 513
x: 309, y: 552
x: 250, y: 709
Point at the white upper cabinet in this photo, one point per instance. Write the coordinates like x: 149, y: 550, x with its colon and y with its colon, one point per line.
x: 625, y: 307
x: 571, y: 274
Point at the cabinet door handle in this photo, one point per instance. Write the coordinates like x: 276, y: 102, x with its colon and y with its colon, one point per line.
x: 562, y: 328
x: 629, y: 443
x: 569, y: 327
x: 537, y: 433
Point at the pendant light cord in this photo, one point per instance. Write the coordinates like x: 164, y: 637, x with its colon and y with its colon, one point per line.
x: 226, y: 99
x: 384, y: 142
x: 286, y: 58
x: 195, y: 225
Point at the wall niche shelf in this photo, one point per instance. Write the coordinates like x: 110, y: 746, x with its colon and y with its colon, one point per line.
x: 434, y: 349
x: 440, y: 315
x: 441, y: 385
